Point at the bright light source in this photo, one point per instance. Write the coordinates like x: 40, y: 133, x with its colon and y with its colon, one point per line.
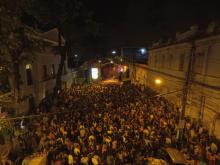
x: 120, y: 68
x: 21, y: 124
x: 121, y: 59
x: 100, y: 61
x: 28, y: 66
x: 111, y: 61
x: 95, y: 73
x: 125, y: 68
x: 143, y: 50
x: 113, y: 52
x: 158, y: 81
x: 76, y: 55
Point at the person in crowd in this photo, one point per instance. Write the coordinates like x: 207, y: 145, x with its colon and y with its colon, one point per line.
x: 111, y: 124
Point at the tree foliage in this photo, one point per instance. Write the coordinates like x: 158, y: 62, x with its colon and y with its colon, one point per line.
x: 71, y: 19
x: 18, y: 42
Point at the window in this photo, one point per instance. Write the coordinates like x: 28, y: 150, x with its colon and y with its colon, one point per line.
x: 44, y: 71
x: 64, y: 69
x: 29, y: 74
x: 199, y: 62
x: 163, y: 61
x: 53, y: 70
x: 28, y: 66
x: 181, y: 62
x: 170, y: 61
x: 158, y: 61
x: 155, y: 61
x: 149, y: 60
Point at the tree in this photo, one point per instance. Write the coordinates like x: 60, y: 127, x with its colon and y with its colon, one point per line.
x: 81, y: 34
x: 16, y: 40
x: 57, y: 13
x: 73, y: 21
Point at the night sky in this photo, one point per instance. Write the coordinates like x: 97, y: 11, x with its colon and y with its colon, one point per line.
x: 139, y: 22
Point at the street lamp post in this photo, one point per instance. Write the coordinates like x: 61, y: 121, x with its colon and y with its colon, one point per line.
x: 100, y: 68
x: 186, y: 88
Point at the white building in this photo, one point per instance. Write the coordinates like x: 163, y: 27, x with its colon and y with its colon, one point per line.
x: 168, y: 63
x: 39, y: 77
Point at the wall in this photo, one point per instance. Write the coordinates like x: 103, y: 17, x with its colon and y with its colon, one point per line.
x: 41, y: 86
x: 169, y: 64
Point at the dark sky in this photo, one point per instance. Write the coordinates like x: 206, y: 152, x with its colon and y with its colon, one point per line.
x: 138, y: 22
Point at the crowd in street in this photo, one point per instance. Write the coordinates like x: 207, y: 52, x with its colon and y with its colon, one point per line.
x: 113, y: 124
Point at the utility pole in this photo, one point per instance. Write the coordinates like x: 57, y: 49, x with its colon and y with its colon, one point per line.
x: 188, y: 79
x: 186, y: 88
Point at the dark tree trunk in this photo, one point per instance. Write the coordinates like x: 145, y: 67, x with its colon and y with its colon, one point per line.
x: 17, y: 76
x: 16, y: 72
x: 62, y: 61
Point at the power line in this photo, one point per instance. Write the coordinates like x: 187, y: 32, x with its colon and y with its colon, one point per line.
x: 180, y: 90
x: 33, y: 116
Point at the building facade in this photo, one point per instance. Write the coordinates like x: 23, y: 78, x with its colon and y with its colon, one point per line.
x: 167, y: 71
x: 39, y: 76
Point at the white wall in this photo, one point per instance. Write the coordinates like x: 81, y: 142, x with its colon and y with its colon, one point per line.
x: 40, y: 86
x: 206, y: 84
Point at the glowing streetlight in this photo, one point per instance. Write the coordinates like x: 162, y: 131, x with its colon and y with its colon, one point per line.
x: 158, y: 81
x: 114, y: 52
x: 143, y: 50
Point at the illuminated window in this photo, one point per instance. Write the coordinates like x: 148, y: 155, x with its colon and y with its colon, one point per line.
x: 28, y: 68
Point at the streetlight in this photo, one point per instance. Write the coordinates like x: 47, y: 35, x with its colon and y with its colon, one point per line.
x: 158, y: 81
x: 100, y: 68
x: 143, y: 50
x: 114, y: 52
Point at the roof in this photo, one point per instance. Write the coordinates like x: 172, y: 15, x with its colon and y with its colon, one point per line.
x: 192, y: 35
x: 52, y: 36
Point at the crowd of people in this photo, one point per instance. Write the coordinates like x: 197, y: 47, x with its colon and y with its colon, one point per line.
x: 113, y: 124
